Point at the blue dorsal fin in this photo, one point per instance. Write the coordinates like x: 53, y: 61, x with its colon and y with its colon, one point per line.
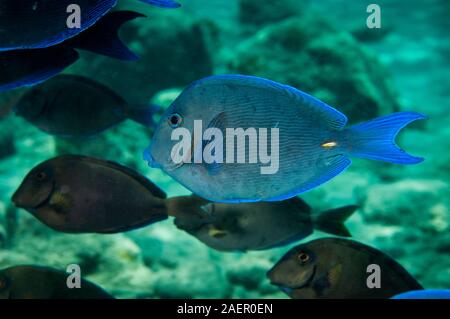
x: 332, y: 117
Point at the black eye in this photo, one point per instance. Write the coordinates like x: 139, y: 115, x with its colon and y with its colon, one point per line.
x: 175, y: 120
x: 41, y: 176
x: 303, y: 257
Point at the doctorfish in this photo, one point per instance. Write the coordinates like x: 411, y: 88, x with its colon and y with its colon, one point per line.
x: 37, y: 282
x: 312, y: 145
x: 337, y: 268
x: 20, y: 68
x: 79, y: 194
x: 34, y: 24
x: 76, y: 107
x: 253, y: 226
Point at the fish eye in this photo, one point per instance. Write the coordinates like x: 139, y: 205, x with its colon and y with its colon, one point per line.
x: 175, y: 120
x: 303, y: 257
x: 41, y: 176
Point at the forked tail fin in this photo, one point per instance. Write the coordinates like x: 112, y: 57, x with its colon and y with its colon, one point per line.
x: 375, y: 139
x: 103, y: 37
x: 332, y: 221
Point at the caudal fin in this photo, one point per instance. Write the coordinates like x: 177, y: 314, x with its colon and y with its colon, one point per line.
x: 103, y: 37
x: 143, y: 115
x: 375, y: 139
x: 332, y: 221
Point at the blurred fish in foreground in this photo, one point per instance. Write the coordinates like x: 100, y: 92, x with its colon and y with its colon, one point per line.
x: 334, y: 268
x: 28, y: 67
x: 312, y: 144
x: 36, y: 282
x: 33, y: 24
x: 78, y: 107
x: 79, y: 194
x: 254, y: 226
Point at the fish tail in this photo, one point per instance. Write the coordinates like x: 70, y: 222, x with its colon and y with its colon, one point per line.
x: 143, y: 115
x: 103, y: 37
x: 375, y: 139
x: 332, y: 221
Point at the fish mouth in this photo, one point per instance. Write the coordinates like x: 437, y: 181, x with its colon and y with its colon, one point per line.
x: 31, y: 207
x: 288, y: 289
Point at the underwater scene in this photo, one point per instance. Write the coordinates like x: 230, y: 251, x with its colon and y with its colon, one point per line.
x: 235, y: 149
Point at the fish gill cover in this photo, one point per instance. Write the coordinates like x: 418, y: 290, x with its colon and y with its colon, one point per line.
x: 136, y: 232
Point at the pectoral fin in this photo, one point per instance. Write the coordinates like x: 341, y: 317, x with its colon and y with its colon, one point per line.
x: 216, y: 233
x: 334, y: 274
x: 60, y: 202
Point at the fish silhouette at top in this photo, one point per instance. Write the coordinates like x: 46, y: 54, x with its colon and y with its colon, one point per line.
x: 313, y: 145
x: 79, y: 194
x: 34, y: 24
x: 253, y: 226
x: 77, y: 107
x: 37, y: 282
x: 337, y: 268
x: 29, y: 67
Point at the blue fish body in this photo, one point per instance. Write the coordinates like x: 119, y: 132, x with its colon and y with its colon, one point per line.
x: 35, y: 24
x: 425, y: 294
x: 314, y: 145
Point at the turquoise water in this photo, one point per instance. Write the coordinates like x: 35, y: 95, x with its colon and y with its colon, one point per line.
x: 323, y: 48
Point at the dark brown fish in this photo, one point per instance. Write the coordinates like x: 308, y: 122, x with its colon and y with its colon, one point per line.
x: 36, y: 282
x: 253, y: 226
x: 79, y: 194
x: 77, y: 107
x: 335, y: 268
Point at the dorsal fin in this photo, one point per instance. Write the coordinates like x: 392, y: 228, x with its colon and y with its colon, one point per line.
x: 334, y: 119
x: 301, y: 204
x: 155, y: 190
x: 373, y: 252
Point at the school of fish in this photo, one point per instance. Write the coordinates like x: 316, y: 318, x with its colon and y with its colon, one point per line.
x: 233, y: 206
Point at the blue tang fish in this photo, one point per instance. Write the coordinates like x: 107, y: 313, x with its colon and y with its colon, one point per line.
x: 20, y: 68
x: 309, y: 143
x: 424, y: 294
x: 33, y: 24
